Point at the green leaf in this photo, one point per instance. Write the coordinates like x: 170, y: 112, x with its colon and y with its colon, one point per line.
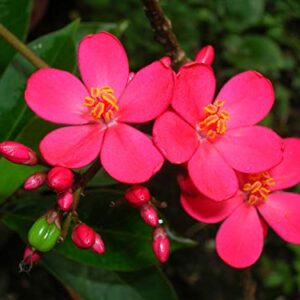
x: 241, y: 14
x: 253, y: 52
x: 127, y: 239
x: 15, y: 16
x: 58, y: 50
x: 91, y: 283
x: 17, y: 122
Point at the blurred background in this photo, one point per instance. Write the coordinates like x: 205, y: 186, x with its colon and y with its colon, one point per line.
x: 251, y: 34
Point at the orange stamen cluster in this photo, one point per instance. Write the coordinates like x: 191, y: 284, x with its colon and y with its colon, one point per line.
x: 214, y: 121
x: 102, y: 103
x: 258, y: 187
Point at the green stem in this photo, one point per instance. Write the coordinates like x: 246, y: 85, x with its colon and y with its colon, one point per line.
x: 22, y: 48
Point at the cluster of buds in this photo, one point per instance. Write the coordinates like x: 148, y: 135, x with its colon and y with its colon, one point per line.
x: 85, y: 237
x: 140, y: 197
x: 60, y: 180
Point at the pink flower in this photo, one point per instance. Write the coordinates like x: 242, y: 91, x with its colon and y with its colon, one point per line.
x: 258, y: 202
x: 216, y: 137
x: 99, y: 108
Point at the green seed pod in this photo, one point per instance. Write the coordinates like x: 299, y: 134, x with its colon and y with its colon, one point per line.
x: 43, y: 236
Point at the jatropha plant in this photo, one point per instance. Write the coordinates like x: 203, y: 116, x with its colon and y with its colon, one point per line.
x: 233, y: 170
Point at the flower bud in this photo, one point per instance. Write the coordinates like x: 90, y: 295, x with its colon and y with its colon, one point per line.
x: 137, y: 195
x: 31, y: 256
x: 83, y: 236
x: 98, y: 246
x: 60, y: 179
x: 161, y: 244
x: 35, y: 181
x: 149, y: 215
x: 206, y: 55
x: 65, y: 200
x: 18, y: 153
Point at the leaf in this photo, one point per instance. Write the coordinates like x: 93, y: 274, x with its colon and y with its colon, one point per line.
x: 254, y: 52
x: 92, y: 283
x: 58, y: 50
x: 127, y: 239
x: 13, y: 175
x: 239, y: 15
x: 15, y: 16
x: 17, y: 122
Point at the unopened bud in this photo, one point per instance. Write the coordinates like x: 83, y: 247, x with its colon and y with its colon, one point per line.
x: 83, y: 236
x: 31, y: 256
x: 98, y: 246
x: 149, y: 215
x: 60, y: 179
x: 18, y: 153
x: 137, y: 195
x: 35, y: 181
x: 161, y: 244
x: 65, y: 200
x: 206, y: 55
x: 186, y: 185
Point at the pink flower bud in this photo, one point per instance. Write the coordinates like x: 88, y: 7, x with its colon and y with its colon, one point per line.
x: 30, y: 256
x: 35, y: 181
x: 18, y: 153
x: 137, y: 195
x: 65, y: 200
x: 60, y: 179
x: 149, y: 215
x: 161, y: 244
x: 206, y: 55
x: 83, y: 236
x: 98, y: 246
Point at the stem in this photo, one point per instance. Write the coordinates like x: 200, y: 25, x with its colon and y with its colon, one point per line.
x: 163, y: 32
x: 78, y: 188
x: 249, y: 285
x: 21, y: 47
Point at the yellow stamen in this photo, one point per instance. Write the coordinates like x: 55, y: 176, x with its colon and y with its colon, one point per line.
x: 257, y: 187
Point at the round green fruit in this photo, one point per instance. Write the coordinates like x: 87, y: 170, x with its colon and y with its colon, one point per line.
x: 42, y: 236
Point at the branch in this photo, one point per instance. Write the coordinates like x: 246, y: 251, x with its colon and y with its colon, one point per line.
x: 21, y: 48
x: 163, y: 32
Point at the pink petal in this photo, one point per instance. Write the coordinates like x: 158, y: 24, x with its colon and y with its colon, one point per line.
x: 287, y: 173
x: 240, y: 239
x: 72, y: 147
x: 103, y: 62
x: 211, y: 174
x: 248, y: 97
x: 206, y: 210
x: 176, y: 139
x: 250, y: 149
x: 194, y: 89
x: 282, y: 212
x: 128, y: 155
x: 206, y: 55
x: 148, y: 94
x: 57, y: 96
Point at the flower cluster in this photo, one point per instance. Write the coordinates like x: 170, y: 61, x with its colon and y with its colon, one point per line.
x: 234, y: 169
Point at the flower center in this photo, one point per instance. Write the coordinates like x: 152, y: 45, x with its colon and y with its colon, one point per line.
x: 214, y: 121
x: 257, y: 188
x: 102, y: 103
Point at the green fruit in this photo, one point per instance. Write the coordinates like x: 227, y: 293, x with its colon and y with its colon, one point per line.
x: 43, y: 236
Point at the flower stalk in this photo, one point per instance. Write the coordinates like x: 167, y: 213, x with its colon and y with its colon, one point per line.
x: 22, y: 48
x: 163, y: 32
